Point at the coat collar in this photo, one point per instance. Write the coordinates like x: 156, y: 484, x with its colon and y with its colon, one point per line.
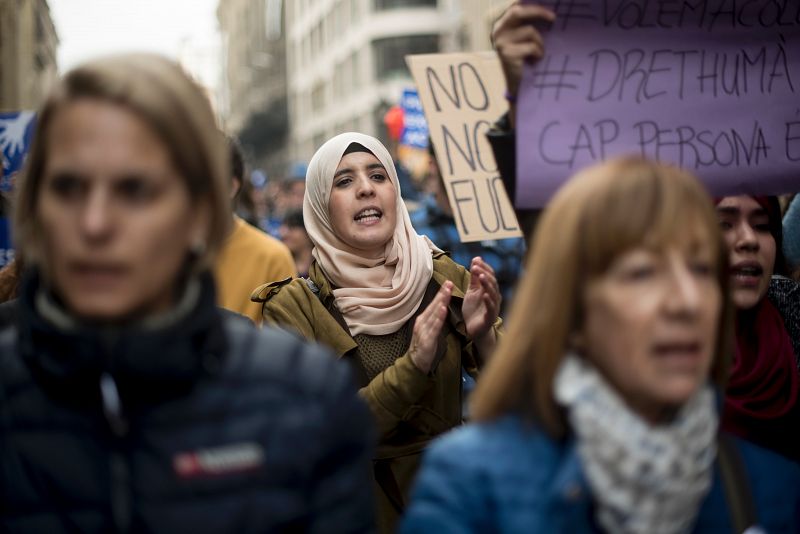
x: 570, y: 494
x: 149, y: 361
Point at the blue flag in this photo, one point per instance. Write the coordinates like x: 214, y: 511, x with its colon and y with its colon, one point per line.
x: 415, y: 132
x: 16, y: 134
x: 6, y: 248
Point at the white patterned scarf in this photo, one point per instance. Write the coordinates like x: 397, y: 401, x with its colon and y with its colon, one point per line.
x: 644, y: 478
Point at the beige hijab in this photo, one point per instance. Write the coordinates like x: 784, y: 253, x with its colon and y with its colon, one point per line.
x: 376, y: 296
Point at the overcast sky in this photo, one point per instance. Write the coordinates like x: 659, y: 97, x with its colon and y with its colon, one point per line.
x: 88, y: 28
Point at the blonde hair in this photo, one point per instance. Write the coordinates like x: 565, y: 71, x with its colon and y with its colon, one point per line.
x: 158, y: 91
x: 598, y: 215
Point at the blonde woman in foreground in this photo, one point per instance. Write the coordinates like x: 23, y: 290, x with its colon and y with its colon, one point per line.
x: 129, y: 402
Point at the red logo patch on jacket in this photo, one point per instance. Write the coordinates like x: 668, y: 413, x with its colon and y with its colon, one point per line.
x: 218, y: 461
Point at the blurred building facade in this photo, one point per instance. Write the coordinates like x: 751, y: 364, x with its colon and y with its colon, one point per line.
x: 200, y: 57
x: 296, y: 72
x: 28, y: 45
x: 252, y: 97
x: 345, y: 61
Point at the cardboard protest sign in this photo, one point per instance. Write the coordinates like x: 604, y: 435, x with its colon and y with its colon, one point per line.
x: 710, y: 85
x: 462, y: 95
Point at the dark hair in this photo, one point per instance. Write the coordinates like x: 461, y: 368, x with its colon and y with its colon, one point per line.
x: 356, y: 147
x: 431, y: 150
x: 237, y: 160
x: 294, y: 219
x: 773, y: 207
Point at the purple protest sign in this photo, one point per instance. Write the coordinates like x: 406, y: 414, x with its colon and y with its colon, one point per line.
x: 710, y: 85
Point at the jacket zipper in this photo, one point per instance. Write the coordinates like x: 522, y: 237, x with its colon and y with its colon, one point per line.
x: 121, y: 498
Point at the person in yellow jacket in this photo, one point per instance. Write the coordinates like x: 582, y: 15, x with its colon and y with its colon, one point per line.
x: 413, y: 323
x: 248, y: 257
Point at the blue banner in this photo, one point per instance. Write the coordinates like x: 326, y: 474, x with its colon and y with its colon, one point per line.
x: 415, y: 128
x: 16, y: 134
x: 6, y: 248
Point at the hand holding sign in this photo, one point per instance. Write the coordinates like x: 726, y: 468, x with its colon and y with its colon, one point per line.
x: 518, y: 42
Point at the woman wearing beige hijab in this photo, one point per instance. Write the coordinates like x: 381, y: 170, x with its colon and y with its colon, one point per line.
x: 412, y: 322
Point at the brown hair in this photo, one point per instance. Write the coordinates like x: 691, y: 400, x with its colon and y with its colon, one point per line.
x: 172, y: 104
x: 598, y: 215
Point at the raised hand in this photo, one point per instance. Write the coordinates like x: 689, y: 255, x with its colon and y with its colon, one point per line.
x: 517, y: 41
x: 427, y: 328
x: 481, y: 302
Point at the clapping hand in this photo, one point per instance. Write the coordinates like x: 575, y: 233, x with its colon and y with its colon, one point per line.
x: 481, y: 305
x: 427, y: 328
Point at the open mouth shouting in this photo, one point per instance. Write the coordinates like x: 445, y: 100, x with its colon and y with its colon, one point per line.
x: 747, y: 273
x: 368, y: 216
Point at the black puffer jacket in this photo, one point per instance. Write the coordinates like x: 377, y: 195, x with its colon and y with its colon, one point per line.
x: 203, y: 425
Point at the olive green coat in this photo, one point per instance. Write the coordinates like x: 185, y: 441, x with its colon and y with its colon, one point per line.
x: 410, y: 408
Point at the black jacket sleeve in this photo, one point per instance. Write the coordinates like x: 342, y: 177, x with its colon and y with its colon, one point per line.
x: 503, y: 140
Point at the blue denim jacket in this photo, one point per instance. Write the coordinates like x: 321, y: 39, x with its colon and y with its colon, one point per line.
x: 509, y: 476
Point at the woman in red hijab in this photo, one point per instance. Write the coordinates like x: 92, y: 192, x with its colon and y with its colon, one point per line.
x: 761, y: 403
